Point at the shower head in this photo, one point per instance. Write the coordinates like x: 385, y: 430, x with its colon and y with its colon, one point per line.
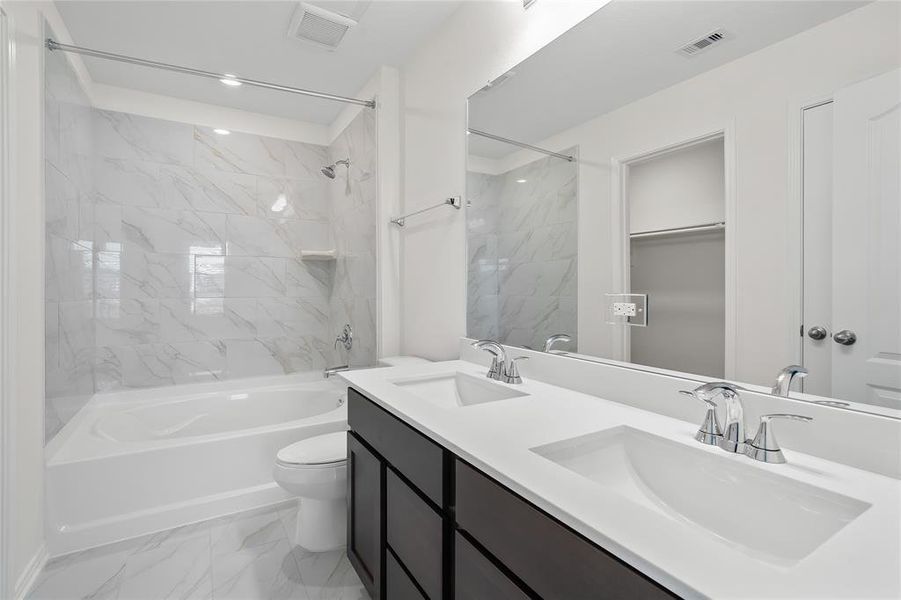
x: 329, y: 171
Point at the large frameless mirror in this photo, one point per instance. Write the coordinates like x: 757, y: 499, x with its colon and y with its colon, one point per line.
x: 703, y: 187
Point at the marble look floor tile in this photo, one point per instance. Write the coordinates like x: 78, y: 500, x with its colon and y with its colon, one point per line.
x: 236, y: 533
x: 177, y: 569
x: 245, y: 556
x: 267, y: 572
x: 93, y: 574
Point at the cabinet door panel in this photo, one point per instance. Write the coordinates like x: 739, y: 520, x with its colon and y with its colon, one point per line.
x: 365, y: 474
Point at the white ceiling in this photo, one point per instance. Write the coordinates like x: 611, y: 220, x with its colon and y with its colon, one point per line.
x: 626, y: 51
x: 248, y: 38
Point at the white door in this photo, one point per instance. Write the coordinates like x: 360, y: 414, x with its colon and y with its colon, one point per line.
x: 866, y: 258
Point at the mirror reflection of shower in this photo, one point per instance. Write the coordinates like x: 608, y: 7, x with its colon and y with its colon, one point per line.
x: 329, y: 172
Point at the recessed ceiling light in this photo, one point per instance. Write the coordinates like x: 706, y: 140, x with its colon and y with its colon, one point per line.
x: 222, y: 131
x: 521, y: 180
x: 230, y: 80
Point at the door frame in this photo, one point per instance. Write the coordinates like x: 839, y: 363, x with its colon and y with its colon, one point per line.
x: 795, y: 219
x: 7, y: 303
x: 619, y: 219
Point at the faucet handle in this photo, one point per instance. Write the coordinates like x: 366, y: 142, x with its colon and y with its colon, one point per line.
x: 710, y: 432
x: 764, y: 446
x: 511, y: 372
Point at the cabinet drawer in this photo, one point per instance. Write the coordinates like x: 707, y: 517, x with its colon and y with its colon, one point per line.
x: 552, y: 560
x: 399, y: 585
x: 414, y: 532
x: 476, y: 578
x: 418, y: 458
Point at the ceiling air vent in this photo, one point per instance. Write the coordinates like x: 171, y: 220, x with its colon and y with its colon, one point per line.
x: 319, y: 26
x: 701, y: 44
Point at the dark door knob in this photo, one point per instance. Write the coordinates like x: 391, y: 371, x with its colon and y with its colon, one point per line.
x: 845, y: 337
x: 817, y: 333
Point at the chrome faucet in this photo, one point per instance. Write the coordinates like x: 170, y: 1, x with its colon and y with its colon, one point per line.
x: 557, y: 337
x: 501, y: 369
x: 732, y: 437
x: 329, y: 371
x: 498, y: 358
x: 784, y: 380
x: 733, y: 434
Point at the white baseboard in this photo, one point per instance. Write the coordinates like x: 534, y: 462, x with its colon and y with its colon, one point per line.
x: 30, y: 574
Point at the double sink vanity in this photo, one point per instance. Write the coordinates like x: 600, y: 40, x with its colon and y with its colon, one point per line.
x: 461, y: 486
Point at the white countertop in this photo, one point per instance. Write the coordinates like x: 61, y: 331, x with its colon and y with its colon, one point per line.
x: 862, y: 560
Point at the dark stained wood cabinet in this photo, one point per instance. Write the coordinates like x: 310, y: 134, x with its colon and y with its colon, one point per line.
x: 424, y: 524
x: 365, y: 542
x: 476, y: 577
x: 414, y: 534
x: 399, y: 585
x: 551, y: 559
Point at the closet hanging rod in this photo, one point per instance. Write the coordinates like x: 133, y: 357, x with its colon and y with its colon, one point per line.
x: 54, y: 45
x: 498, y: 138
x: 692, y: 229
x: 454, y: 201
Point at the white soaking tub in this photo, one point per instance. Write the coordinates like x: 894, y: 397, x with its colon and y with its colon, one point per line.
x: 140, y: 461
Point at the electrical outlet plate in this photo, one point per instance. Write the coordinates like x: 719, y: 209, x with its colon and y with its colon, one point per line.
x: 626, y: 309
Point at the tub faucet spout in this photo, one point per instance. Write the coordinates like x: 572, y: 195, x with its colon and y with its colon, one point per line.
x: 329, y: 371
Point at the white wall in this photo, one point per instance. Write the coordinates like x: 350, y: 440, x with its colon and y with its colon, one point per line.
x: 28, y: 338
x: 757, y: 98
x: 678, y: 189
x: 479, y: 42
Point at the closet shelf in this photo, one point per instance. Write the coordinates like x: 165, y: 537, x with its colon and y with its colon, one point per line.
x: 318, y: 254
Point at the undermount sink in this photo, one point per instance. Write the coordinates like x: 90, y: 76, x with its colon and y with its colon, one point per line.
x: 772, y: 516
x: 457, y: 389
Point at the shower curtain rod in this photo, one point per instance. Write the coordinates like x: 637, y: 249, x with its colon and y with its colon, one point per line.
x: 54, y: 45
x: 498, y: 138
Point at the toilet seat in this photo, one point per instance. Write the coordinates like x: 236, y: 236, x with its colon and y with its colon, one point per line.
x: 328, y: 450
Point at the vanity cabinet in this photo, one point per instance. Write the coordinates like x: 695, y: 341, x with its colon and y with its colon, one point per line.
x: 365, y: 473
x: 424, y: 524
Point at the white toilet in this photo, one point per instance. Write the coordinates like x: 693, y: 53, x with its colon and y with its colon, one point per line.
x: 315, y: 469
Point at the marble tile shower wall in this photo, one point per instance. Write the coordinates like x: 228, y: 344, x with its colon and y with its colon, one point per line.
x: 353, y: 218
x: 522, y: 239
x: 69, y: 224
x: 198, y: 239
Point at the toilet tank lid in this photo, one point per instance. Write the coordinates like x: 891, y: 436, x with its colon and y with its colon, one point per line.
x: 318, y: 450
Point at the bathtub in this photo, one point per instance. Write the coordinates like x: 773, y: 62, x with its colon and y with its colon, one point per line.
x: 135, y: 462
